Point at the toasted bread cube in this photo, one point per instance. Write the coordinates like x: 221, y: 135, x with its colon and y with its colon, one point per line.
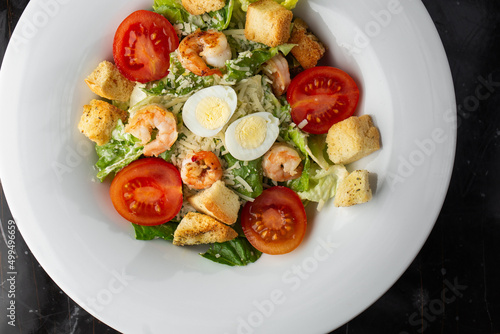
x: 198, y: 7
x: 309, y: 49
x: 217, y: 201
x: 355, y: 189
x: 106, y: 81
x: 197, y: 228
x: 268, y: 22
x: 352, y: 139
x: 99, y: 119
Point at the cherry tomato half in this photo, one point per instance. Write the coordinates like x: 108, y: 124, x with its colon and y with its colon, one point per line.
x: 142, y: 46
x: 275, y: 223
x: 147, y: 192
x: 323, y: 96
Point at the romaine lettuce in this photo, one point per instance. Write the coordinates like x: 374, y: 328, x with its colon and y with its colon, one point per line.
x: 122, y: 149
x: 236, y: 252
x: 187, y: 23
x: 288, y: 4
x: 323, y: 183
x: 249, y: 62
x: 163, y: 231
x: 250, y: 171
x: 179, y: 81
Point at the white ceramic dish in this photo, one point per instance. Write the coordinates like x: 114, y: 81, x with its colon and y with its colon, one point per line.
x: 350, y: 256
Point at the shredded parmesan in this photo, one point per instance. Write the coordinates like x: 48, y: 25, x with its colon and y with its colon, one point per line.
x: 246, y: 198
x: 302, y: 124
x: 235, y: 166
x: 244, y: 183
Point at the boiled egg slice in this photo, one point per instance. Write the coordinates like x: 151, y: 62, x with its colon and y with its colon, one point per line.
x: 207, y: 111
x: 250, y: 137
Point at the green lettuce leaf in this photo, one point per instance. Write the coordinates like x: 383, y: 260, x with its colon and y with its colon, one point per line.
x: 236, y: 252
x: 250, y: 171
x: 248, y: 62
x: 164, y: 231
x: 288, y: 4
x: 317, y: 150
x: 179, y: 81
x: 187, y: 23
x: 323, y: 184
x: 122, y: 149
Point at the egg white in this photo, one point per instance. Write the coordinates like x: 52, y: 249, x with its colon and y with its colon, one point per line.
x: 247, y: 154
x: 224, y: 93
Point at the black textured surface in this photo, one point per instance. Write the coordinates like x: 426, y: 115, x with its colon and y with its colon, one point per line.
x: 453, y: 284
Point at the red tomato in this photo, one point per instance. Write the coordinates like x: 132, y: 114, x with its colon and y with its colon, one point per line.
x: 142, y: 46
x: 323, y: 96
x: 275, y: 223
x: 147, y: 191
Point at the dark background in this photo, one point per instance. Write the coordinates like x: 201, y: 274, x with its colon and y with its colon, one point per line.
x: 453, y: 284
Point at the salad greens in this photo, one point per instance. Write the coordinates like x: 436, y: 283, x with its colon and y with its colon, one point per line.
x: 288, y: 4
x: 187, y: 23
x: 236, y: 252
x: 248, y: 62
x: 122, y: 149
x: 250, y: 172
x: 164, y: 231
x: 180, y: 81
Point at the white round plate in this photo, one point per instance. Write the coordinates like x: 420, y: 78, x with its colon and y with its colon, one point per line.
x: 350, y: 256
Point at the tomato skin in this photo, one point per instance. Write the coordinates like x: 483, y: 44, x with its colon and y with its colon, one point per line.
x: 147, y: 192
x: 142, y: 46
x: 324, y: 96
x: 280, y: 212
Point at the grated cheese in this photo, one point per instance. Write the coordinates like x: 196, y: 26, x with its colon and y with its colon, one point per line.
x: 302, y: 124
x: 244, y: 183
x: 246, y: 198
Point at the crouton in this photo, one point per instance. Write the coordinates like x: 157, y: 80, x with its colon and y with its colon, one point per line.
x: 354, y: 189
x: 352, y: 139
x: 197, y: 228
x: 217, y: 201
x: 99, y: 119
x: 106, y: 81
x: 198, y: 7
x: 268, y: 22
x: 309, y: 49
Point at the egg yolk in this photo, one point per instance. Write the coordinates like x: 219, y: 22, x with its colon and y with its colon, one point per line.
x: 251, y: 132
x: 212, y: 112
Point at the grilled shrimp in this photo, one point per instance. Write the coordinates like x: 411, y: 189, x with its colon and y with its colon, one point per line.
x: 200, y: 170
x: 282, y: 163
x: 277, y: 70
x: 203, y: 48
x: 148, y: 118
